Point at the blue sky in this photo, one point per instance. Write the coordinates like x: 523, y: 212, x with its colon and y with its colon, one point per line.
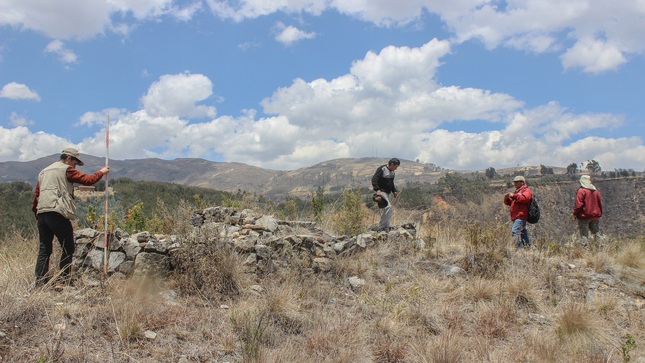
x: 465, y: 84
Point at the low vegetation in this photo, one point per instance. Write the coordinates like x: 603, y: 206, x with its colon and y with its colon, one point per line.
x: 465, y: 296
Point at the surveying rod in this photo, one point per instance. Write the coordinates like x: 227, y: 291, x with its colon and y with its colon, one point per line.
x: 105, y: 235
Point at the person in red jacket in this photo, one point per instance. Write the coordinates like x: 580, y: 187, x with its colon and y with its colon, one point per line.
x: 519, y: 203
x: 55, y: 208
x: 588, y: 208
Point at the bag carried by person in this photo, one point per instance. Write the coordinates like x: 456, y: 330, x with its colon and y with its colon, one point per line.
x: 380, y: 201
x: 534, y: 212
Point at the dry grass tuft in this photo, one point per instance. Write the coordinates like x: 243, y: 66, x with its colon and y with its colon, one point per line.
x: 387, y: 349
x: 335, y: 340
x: 582, y: 333
x: 251, y: 327
x: 601, y: 262
x: 346, y: 266
x: 480, y: 289
x: 494, y: 320
x: 280, y: 309
x: 633, y: 256
x: 211, y: 270
x: 488, y: 264
x: 446, y: 348
x: 522, y: 290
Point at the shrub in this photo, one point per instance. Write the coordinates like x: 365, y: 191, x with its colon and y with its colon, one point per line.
x: 349, y: 218
x: 209, y: 269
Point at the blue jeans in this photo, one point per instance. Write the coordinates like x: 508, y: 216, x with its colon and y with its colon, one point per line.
x: 520, y: 234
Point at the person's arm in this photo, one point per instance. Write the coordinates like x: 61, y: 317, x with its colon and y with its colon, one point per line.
x: 375, y: 178
x: 579, y: 205
x: 34, y: 203
x: 523, y: 196
x: 75, y: 176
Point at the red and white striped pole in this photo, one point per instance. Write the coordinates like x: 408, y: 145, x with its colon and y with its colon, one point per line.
x: 107, y: 158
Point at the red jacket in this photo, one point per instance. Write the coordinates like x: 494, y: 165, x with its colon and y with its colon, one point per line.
x: 588, y: 204
x: 520, y: 202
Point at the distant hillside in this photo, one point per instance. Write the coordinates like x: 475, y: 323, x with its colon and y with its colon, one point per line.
x: 621, y: 197
x: 334, y: 175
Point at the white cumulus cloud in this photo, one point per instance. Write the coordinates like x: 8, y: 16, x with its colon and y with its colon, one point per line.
x: 289, y: 35
x: 536, y: 26
x: 18, y: 120
x: 389, y: 104
x: 593, y: 56
x: 18, y: 91
x: 73, y: 19
x: 177, y: 95
x: 19, y: 143
x: 58, y: 48
x: 604, y: 34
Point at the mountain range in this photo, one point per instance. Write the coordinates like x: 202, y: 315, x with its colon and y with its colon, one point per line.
x: 333, y: 175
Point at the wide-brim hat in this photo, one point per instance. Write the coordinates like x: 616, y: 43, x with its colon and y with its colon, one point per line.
x: 519, y: 178
x: 74, y: 153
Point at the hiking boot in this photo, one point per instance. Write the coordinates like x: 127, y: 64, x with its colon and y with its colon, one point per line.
x: 41, y: 282
x: 58, y: 286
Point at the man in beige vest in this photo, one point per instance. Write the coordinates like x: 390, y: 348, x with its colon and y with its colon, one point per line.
x: 55, y: 208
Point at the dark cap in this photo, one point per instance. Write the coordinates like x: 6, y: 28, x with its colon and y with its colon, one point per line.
x: 394, y: 161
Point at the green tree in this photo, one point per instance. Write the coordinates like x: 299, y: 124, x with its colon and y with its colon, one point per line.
x: 91, y: 217
x: 593, y: 166
x: 15, y: 208
x: 415, y: 196
x: 572, y: 169
x: 464, y: 189
x: 490, y: 172
x: 135, y: 220
x: 290, y: 207
x: 318, y: 202
x: 544, y: 170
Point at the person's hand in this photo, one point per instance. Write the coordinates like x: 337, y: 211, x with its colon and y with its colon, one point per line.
x: 105, y: 170
x: 396, y: 194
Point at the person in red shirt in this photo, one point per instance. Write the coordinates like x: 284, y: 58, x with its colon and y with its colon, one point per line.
x: 55, y: 207
x: 588, y: 208
x: 519, y: 203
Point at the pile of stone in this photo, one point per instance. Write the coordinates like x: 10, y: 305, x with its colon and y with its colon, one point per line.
x: 262, y: 241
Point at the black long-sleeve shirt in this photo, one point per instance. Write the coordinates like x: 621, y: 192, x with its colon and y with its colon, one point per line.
x: 383, y: 180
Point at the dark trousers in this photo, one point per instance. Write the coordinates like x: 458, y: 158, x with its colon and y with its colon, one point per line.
x: 52, y: 224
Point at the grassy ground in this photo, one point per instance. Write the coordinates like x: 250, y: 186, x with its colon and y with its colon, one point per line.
x: 557, y: 302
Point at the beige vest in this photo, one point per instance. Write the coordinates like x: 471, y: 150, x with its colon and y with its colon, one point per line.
x: 56, y: 193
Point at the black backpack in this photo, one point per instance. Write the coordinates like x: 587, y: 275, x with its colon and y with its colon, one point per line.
x: 534, y: 212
